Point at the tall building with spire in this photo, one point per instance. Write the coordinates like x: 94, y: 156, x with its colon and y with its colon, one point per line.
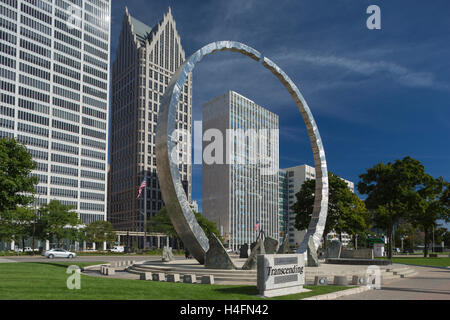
x: 145, y: 61
x: 54, y: 96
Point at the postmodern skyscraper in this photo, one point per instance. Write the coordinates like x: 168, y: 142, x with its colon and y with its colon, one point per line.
x: 240, y: 176
x: 54, y: 85
x: 146, y: 59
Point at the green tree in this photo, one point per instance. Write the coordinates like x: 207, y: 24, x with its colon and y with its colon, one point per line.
x: 161, y: 223
x: 390, y: 189
x: 16, y: 184
x: 346, y: 212
x: 429, y: 206
x: 100, y: 231
x: 57, y: 221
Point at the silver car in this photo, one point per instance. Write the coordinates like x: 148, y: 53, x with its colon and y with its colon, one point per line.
x: 59, y: 253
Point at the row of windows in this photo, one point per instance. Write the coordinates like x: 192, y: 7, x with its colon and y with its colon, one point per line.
x: 65, y: 170
x: 7, y: 49
x: 92, y: 196
x: 66, y: 93
x: 34, y: 71
x: 35, y: 48
x: 94, y: 113
x: 94, y: 144
x: 41, y: 4
x: 94, y: 123
x: 66, y: 115
x: 92, y: 164
x: 67, y: 50
x: 63, y: 25
x: 45, y: 86
x: 35, y: 36
x: 65, y: 137
x: 33, y: 118
x: 95, y: 52
x: 34, y: 59
x: 92, y: 185
x: 35, y: 25
x: 95, y: 72
x: 41, y: 177
x: 41, y: 167
x: 94, y: 134
x: 34, y: 94
x: 96, y: 32
x: 8, y: 37
x: 67, y: 61
x: 93, y: 175
x: 69, y: 40
x: 64, y: 182
x: 65, y: 126
x: 34, y: 106
x: 66, y: 104
x: 92, y: 207
x: 93, y: 154
x: 32, y: 129
x: 6, y: 123
x: 10, y: 87
x: 8, y: 25
x: 37, y: 154
x: 7, y: 111
x: 64, y: 159
x: 32, y: 141
x: 4, y: 11
x: 66, y: 82
x: 65, y: 148
x: 94, y: 92
x: 64, y: 193
x: 94, y: 103
x: 95, y: 82
x: 66, y: 71
x: 89, y: 218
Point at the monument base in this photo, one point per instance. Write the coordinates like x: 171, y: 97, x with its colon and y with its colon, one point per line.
x: 283, y: 292
x: 377, y: 262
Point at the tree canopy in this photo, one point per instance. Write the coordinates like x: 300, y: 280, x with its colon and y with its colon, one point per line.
x: 391, y: 189
x: 100, y: 231
x: 346, y: 212
x: 57, y: 220
x: 16, y: 183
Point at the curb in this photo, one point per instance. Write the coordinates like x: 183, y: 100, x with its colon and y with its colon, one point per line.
x: 334, y: 295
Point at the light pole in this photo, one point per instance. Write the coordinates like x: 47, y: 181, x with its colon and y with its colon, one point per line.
x: 34, y: 222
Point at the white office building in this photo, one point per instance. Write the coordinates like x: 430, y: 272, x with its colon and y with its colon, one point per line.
x: 296, y: 177
x: 240, y: 187
x: 54, y: 95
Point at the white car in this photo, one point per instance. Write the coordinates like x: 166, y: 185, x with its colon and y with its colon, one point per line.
x: 59, y: 253
x: 118, y: 249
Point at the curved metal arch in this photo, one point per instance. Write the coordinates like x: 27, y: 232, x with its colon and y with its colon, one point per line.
x: 172, y: 190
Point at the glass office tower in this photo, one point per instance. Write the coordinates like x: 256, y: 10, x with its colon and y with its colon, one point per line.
x: 54, y: 95
x: 240, y: 193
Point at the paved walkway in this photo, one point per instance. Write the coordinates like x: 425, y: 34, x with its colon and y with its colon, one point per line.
x: 430, y: 283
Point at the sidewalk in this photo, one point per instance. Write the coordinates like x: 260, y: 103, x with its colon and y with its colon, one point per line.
x: 430, y: 283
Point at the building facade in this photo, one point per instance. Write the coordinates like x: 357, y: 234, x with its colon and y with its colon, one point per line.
x: 283, y: 205
x: 240, y: 191
x: 146, y: 59
x: 54, y: 96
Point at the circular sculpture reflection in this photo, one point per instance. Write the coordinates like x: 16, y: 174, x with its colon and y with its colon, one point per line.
x: 174, y: 196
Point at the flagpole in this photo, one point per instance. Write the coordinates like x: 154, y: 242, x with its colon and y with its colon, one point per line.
x: 145, y: 214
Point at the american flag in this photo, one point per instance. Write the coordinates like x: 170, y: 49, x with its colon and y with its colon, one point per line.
x: 143, y: 185
x: 257, y: 225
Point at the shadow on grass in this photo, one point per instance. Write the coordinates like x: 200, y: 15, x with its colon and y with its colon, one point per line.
x: 246, y: 290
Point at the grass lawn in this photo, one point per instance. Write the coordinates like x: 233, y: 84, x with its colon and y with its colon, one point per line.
x: 435, y: 262
x: 47, y: 281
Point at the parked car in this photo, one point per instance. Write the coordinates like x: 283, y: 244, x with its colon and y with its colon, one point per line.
x: 28, y: 249
x: 59, y: 253
x: 118, y: 249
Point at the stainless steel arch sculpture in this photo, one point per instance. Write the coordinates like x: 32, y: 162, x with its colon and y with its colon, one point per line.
x: 172, y: 190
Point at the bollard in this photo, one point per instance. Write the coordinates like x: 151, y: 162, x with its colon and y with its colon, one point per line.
x: 173, y: 277
x: 320, y: 281
x: 359, y: 281
x: 190, y: 278
x: 208, y: 279
x: 340, y: 281
x: 145, y: 276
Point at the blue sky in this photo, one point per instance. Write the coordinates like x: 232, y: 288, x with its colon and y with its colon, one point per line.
x: 376, y: 95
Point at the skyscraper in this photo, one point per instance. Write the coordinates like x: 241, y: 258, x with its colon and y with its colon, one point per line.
x: 146, y: 59
x: 54, y: 95
x: 240, y: 191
